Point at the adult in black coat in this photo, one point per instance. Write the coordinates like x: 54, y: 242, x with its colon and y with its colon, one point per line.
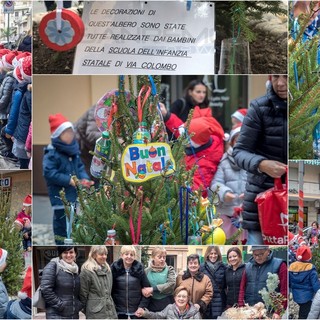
x: 129, y: 279
x: 60, y: 285
x: 261, y: 149
x: 233, y: 275
x: 214, y: 268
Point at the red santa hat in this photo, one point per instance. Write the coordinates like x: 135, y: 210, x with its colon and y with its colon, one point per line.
x: 58, y: 123
x: 26, y: 68
x: 25, y: 291
x: 303, y: 253
x: 27, y: 200
x: 17, y: 59
x: 235, y: 131
x: 17, y: 74
x: 239, y: 114
x: 8, y: 58
x: 3, y: 52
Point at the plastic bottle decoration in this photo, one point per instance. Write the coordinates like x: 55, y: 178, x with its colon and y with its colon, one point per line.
x: 111, y: 238
x: 142, y: 135
x: 104, y: 108
x: 103, y: 149
x: 61, y: 29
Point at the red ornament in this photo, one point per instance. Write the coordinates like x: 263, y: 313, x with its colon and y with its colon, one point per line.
x: 69, y: 35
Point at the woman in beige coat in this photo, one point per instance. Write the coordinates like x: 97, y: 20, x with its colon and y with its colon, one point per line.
x: 96, y: 285
x: 199, y: 284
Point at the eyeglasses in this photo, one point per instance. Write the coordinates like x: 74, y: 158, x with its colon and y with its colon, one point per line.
x: 258, y: 255
x: 182, y: 296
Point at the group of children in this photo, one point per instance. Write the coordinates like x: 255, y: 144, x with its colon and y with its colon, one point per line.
x: 15, y: 106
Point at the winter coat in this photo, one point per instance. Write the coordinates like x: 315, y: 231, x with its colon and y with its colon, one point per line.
x: 29, y: 139
x: 87, y: 133
x: 25, y: 44
x: 233, y: 280
x: 19, y: 309
x: 4, y: 298
x: 181, y: 108
x: 315, y: 307
x: 171, y: 312
x: 217, y: 276
x: 229, y: 178
x: 24, y: 118
x: 127, y: 286
x: 95, y: 294
x: 60, y: 292
x: 200, y: 287
x: 57, y: 170
x: 17, y: 95
x: 6, y: 89
x: 206, y: 157
x: 162, y: 292
x: 22, y: 215
x: 263, y: 136
x: 303, y: 281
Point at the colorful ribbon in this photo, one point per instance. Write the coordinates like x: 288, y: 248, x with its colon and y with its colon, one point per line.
x: 187, y: 192
x: 135, y: 237
x: 146, y: 90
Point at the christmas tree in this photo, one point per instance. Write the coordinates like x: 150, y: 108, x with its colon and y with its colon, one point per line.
x: 10, y: 240
x: 157, y: 210
x: 304, y: 87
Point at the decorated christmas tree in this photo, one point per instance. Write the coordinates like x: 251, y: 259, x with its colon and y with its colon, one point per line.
x: 304, y: 88
x: 10, y: 240
x: 145, y: 190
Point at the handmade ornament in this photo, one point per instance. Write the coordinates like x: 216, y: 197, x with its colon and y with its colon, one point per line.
x: 106, y: 108
x: 61, y: 30
x: 217, y: 235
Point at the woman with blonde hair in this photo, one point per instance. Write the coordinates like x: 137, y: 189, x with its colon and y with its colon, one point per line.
x: 162, y: 279
x: 96, y: 285
x: 129, y: 279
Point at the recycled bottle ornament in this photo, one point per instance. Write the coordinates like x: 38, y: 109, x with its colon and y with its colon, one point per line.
x: 103, y: 108
x: 111, y: 238
x: 61, y: 30
x: 218, y: 237
x: 142, y: 135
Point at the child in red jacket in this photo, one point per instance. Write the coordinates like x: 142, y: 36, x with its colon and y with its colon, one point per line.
x: 206, y: 144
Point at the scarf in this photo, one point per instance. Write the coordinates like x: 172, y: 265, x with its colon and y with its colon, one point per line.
x: 183, y: 313
x: 67, y: 267
x: 157, y: 268
x: 213, y: 266
x: 71, y: 149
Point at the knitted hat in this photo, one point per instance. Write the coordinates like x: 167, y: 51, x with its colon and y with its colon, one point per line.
x: 27, y: 200
x: 26, y: 68
x: 253, y: 248
x: 240, y: 114
x: 25, y: 291
x: 8, y: 58
x: 201, y: 129
x: 58, y: 123
x: 303, y: 253
x: 17, y: 74
x: 235, y: 131
x: 17, y: 59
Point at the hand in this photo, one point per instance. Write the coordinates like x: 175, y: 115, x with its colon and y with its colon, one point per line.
x: 25, y: 235
x: 163, y: 109
x: 276, y: 316
x: 139, y: 313
x: 241, y: 196
x: 72, y: 183
x: 197, y: 306
x: 229, y: 197
x: 147, y: 292
x: 274, y: 169
x: 8, y: 136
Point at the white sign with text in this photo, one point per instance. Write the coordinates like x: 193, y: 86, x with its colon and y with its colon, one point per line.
x: 146, y: 37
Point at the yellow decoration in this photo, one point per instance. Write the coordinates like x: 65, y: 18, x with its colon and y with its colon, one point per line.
x: 218, y: 237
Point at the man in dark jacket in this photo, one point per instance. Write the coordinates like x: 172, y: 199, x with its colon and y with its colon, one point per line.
x: 261, y: 149
x: 255, y: 275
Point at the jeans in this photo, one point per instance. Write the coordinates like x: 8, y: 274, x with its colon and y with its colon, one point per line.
x: 254, y: 237
x: 59, y: 226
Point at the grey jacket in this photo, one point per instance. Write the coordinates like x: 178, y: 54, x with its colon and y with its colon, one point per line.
x: 171, y: 312
x: 95, y: 294
x: 229, y: 178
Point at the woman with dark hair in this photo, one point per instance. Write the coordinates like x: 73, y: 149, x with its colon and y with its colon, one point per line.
x: 313, y: 234
x: 205, y: 134
x: 60, y: 285
x: 197, y: 283
x: 214, y: 268
x: 162, y: 279
x: 233, y: 275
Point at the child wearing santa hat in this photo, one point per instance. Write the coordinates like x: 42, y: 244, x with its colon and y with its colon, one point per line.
x: 24, y: 227
x: 230, y: 181
x: 61, y: 161
x: 206, y: 144
x: 303, y: 280
x: 21, y: 308
x: 238, y: 116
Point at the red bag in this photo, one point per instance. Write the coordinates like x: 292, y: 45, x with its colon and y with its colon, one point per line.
x: 273, y: 214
